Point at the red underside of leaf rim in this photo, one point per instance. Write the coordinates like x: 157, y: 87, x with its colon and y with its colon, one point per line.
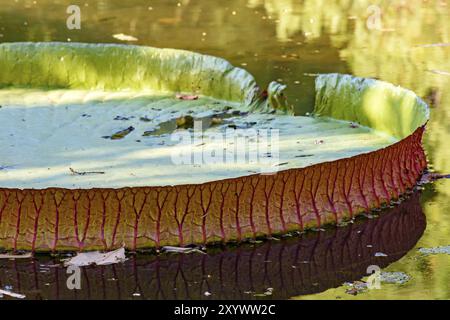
x: 312, y: 263
x: 222, y: 211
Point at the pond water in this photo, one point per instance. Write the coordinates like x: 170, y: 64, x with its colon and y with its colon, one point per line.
x: 403, y: 42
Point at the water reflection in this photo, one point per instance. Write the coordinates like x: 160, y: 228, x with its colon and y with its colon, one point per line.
x: 296, y: 266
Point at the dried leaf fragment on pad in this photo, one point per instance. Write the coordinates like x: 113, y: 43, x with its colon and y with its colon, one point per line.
x: 97, y: 258
x: 185, y: 122
x: 186, y: 97
x: 120, y: 134
x: 12, y: 294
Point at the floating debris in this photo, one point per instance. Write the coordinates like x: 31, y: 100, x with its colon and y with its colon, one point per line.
x: 12, y: 294
x: 345, y: 223
x: 124, y: 37
x: 16, y: 256
x: 370, y: 216
x: 356, y: 287
x: 435, y: 250
x: 430, y: 177
x: 96, y: 258
x: 267, y: 293
x: 440, y: 72
x: 380, y: 254
x: 49, y: 266
x: 394, y: 277
x: 432, y: 45
x: 307, y: 74
x: 185, y: 250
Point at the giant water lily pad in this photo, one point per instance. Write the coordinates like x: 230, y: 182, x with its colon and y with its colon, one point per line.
x: 94, y: 149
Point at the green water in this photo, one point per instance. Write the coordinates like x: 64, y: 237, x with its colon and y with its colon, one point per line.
x: 290, y: 41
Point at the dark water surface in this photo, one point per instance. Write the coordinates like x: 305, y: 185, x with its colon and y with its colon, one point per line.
x: 289, y: 41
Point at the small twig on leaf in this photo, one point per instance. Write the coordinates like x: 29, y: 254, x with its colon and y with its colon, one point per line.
x: 85, y: 173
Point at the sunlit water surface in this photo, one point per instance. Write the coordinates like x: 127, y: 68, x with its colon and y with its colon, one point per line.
x: 289, y: 41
